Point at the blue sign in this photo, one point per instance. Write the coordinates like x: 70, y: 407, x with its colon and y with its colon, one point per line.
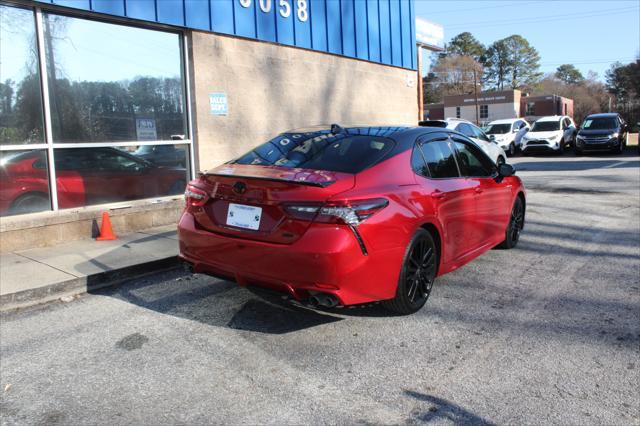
x: 373, y: 30
x: 218, y: 104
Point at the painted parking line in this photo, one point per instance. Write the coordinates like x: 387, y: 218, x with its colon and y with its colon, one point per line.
x: 619, y: 163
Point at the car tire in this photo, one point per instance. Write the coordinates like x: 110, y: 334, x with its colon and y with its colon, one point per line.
x: 516, y: 223
x: 561, y: 147
x: 500, y: 160
x: 512, y: 150
x: 419, y: 269
x: 29, y: 203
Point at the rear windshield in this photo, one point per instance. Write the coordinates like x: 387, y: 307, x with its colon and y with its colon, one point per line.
x: 545, y: 126
x: 603, y: 123
x: 498, y: 129
x: 322, y: 150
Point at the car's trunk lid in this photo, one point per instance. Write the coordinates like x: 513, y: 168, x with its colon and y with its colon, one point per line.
x: 248, y: 201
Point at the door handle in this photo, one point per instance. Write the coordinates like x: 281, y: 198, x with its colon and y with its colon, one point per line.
x: 438, y: 194
x: 478, y: 190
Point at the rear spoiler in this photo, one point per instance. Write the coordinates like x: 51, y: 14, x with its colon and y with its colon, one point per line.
x: 432, y: 123
x: 274, y: 179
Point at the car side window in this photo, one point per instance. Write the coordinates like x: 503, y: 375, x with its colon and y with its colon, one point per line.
x: 440, y: 159
x: 471, y: 160
x: 465, y: 129
x: 418, y: 163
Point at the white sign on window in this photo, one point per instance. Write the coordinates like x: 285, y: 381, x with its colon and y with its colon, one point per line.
x: 146, y: 129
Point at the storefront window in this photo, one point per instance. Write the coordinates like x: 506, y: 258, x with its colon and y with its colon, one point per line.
x: 110, y: 83
x: 20, y: 97
x: 116, y: 92
x: 24, y: 180
x: 99, y: 175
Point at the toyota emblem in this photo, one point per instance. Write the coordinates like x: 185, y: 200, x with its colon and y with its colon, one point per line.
x: 239, y: 188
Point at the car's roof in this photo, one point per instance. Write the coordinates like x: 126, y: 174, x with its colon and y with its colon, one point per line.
x: 603, y: 115
x: 551, y: 118
x: 506, y: 121
x: 392, y: 131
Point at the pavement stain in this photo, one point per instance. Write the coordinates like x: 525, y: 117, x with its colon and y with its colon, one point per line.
x: 132, y: 342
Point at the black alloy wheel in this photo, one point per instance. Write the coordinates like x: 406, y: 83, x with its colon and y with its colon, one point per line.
x: 561, y: 147
x: 417, y: 275
x: 512, y: 149
x: 500, y: 160
x: 516, y: 223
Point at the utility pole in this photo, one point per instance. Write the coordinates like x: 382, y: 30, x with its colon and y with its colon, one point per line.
x: 475, y: 94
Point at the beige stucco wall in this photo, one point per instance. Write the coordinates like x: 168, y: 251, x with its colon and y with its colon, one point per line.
x: 496, y: 112
x: 273, y: 88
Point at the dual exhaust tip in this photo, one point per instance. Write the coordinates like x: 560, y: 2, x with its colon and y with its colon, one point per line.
x: 324, y: 300
x: 318, y: 299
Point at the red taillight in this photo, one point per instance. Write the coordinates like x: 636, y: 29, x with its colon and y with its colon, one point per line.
x: 195, y: 196
x: 352, y: 212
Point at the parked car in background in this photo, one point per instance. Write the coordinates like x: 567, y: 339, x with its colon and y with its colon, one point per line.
x: 162, y: 155
x: 475, y: 133
x: 550, y: 134
x: 508, y: 133
x: 84, y: 176
x: 606, y: 131
x: 352, y: 215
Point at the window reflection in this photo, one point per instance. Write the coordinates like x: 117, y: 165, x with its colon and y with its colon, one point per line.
x: 20, y: 100
x: 129, y: 88
x: 24, y: 182
x: 87, y: 176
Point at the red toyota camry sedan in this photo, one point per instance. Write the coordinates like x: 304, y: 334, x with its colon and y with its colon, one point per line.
x: 348, y: 215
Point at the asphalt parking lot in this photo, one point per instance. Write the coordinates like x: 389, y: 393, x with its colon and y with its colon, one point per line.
x: 546, y: 333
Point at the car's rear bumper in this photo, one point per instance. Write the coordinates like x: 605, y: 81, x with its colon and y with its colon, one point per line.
x: 326, y: 259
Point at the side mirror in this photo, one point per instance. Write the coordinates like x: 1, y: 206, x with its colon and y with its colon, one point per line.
x: 505, y: 170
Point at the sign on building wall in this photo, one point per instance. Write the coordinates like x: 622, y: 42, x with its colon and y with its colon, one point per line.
x: 382, y: 31
x: 146, y: 129
x: 218, y: 104
x: 429, y: 34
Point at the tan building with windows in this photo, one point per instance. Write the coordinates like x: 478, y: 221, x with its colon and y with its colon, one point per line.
x: 499, y: 105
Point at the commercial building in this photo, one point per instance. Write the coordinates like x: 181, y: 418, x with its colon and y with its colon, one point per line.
x: 115, y: 104
x: 498, y: 105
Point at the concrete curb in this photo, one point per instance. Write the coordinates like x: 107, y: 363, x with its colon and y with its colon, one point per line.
x: 81, y: 285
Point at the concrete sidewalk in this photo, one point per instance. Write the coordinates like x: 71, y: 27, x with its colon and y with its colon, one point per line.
x: 39, y: 275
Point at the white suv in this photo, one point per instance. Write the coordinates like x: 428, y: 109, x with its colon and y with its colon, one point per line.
x: 474, y: 133
x: 508, y: 133
x: 551, y: 133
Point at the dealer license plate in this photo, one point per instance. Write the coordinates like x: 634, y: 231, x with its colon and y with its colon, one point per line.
x: 242, y: 216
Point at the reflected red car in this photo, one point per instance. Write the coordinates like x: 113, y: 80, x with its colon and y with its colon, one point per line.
x: 84, y: 176
x: 343, y: 216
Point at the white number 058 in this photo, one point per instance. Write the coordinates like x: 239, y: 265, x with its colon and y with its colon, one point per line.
x: 285, y: 7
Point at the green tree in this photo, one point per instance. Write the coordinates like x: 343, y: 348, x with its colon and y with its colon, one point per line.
x: 465, y: 44
x: 523, y: 63
x: 496, y: 64
x: 569, y: 74
x: 623, y: 81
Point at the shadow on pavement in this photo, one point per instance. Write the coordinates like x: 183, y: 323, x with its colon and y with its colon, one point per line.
x: 217, y: 303
x: 441, y: 409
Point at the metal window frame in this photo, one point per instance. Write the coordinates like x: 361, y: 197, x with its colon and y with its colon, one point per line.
x: 50, y: 145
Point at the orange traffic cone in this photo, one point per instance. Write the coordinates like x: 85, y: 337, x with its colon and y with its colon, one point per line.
x: 106, y: 233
